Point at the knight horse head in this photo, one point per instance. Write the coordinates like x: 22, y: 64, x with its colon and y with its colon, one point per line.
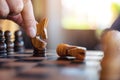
x: 41, y: 29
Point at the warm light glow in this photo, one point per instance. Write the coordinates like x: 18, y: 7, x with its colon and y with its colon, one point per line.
x: 87, y: 14
x: 8, y: 25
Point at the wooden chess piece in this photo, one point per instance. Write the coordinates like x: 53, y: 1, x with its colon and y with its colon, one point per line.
x: 38, y: 42
x: 64, y: 50
x: 39, y: 47
x: 9, y: 43
x: 18, y: 43
x: 2, y: 44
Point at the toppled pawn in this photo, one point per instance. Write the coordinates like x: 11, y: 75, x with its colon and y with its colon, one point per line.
x: 64, y: 50
x: 18, y: 43
x: 2, y: 44
x: 9, y: 43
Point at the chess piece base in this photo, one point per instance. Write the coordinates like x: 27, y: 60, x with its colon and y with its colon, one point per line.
x: 39, y: 53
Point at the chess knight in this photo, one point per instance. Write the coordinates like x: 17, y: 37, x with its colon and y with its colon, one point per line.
x: 38, y: 42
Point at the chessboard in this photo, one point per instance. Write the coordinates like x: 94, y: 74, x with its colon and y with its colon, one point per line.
x: 23, y: 66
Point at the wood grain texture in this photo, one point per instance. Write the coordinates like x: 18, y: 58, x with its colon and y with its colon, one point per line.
x: 41, y: 28
x: 38, y: 43
x: 64, y: 50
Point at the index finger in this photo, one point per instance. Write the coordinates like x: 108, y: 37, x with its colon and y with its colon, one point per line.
x: 29, y: 19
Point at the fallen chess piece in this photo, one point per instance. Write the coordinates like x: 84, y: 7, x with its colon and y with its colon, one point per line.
x: 64, y: 50
x: 38, y: 42
x: 111, y: 48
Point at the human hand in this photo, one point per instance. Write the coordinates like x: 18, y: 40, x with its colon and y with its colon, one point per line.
x: 21, y: 12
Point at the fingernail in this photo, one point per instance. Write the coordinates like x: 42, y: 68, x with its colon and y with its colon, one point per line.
x: 32, y: 32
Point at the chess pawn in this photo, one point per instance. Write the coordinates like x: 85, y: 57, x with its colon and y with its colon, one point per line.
x: 64, y: 50
x: 9, y: 43
x: 18, y: 43
x: 2, y: 44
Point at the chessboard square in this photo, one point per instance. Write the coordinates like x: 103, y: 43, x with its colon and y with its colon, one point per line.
x: 33, y: 76
x: 36, y: 74
x: 7, y: 74
x: 17, y: 66
x: 6, y: 60
x: 29, y: 58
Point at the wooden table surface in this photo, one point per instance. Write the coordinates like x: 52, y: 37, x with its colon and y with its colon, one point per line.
x: 52, y: 67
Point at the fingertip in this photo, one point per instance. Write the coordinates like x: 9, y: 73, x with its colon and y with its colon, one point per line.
x: 31, y: 32
x: 4, y: 9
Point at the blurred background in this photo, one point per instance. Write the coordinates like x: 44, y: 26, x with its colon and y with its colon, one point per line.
x: 76, y: 22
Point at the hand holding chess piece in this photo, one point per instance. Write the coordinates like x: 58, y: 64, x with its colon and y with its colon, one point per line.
x: 38, y: 41
x: 110, y: 62
x: 64, y: 50
x: 21, y: 12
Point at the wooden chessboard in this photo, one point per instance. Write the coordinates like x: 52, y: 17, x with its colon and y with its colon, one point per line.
x: 25, y: 67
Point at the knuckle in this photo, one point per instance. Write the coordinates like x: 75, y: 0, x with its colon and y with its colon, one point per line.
x: 17, y: 9
x: 4, y: 13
